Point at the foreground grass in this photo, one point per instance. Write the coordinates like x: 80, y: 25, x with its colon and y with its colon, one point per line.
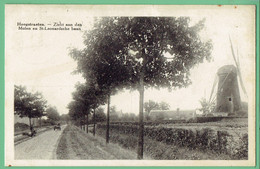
x: 76, y: 144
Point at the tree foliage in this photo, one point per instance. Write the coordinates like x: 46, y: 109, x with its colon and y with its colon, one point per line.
x: 206, y: 106
x: 100, y: 62
x: 116, y: 47
x: 75, y: 112
x: 53, y: 114
x: 86, y: 98
x: 152, y: 105
x: 65, y: 118
x: 164, y: 106
x: 100, y: 115
x: 28, y: 104
x: 114, y: 114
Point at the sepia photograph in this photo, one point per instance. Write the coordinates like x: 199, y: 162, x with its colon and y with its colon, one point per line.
x: 130, y: 85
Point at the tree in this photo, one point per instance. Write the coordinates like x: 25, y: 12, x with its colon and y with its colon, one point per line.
x: 114, y: 113
x: 138, y: 48
x: 87, y: 97
x: 65, y: 118
x: 100, y: 115
x: 150, y: 105
x: 53, y: 114
x: 206, y: 106
x: 75, y: 112
x: 164, y: 106
x: 26, y: 104
x: 81, y: 107
x: 95, y: 97
x: 102, y: 65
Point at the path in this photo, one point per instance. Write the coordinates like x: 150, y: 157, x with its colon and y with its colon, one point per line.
x: 43, y: 146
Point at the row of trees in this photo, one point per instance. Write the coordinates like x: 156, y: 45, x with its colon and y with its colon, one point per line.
x: 53, y: 116
x: 152, y: 105
x: 130, y: 117
x: 34, y: 105
x: 133, y: 53
x: 119, y: 116
x: 27, y: 104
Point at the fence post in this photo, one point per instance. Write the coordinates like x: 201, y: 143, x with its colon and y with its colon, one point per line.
x: 219, y: 140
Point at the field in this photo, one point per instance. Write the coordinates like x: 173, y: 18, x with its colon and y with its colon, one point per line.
x: 223, y: 140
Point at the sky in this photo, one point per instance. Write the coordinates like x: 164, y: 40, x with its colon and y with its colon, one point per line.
x: 40, y: 60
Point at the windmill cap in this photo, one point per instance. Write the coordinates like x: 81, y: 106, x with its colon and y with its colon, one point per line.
x: 227, y: 69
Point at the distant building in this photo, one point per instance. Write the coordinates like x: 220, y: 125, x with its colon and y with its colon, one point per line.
x: 172, y: 114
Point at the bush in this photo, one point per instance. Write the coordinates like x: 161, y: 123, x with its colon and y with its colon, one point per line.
x: 242, y: 113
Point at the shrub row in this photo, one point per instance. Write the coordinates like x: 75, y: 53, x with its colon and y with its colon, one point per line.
x: 200, y: 139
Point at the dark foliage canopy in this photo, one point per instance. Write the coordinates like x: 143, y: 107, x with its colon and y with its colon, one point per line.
x: 117, y: 46
x: 85, y: 98
x: 28, y: 104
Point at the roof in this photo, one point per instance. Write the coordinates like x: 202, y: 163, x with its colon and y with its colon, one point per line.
x: 227, y: 69
x: 172, y: 112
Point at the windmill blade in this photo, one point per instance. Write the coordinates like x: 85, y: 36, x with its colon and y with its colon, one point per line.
x: 213, y: 88
x: 238, y: 62
x: 233, y: 53
x: 238, y: 68
x: 241, y: 82
x: 240, y: 78
x: 240, y: 75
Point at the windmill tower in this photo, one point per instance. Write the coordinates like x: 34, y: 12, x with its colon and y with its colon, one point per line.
x: 228, y: 95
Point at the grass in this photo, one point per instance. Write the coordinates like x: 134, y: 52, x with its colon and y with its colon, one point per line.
x: 76, y: 144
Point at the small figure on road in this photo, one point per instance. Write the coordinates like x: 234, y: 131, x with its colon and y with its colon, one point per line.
x: 33, y: 132
x: 57, y: 127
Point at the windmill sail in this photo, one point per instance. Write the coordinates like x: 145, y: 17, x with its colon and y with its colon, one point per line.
x: 213, y: 88
x: 238, y: 68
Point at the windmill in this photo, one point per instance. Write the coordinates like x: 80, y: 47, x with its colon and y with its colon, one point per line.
x: 228, y: 100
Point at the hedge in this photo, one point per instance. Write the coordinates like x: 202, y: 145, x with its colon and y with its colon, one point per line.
x: 200, y: 139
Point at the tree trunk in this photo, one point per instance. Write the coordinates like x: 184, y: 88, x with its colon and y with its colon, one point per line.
x: 40, y: 122
x: 141, y: 118
x: 87, y: 124
x: 108, y: 110
x: 30, y: 124
x: 141, y: 110
x: 94, y: 121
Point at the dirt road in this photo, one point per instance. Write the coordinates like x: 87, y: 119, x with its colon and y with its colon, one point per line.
x: 43, y: 146
x: 76, y: 144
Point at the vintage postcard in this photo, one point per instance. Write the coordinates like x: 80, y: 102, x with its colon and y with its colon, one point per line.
x: 130, y: 85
